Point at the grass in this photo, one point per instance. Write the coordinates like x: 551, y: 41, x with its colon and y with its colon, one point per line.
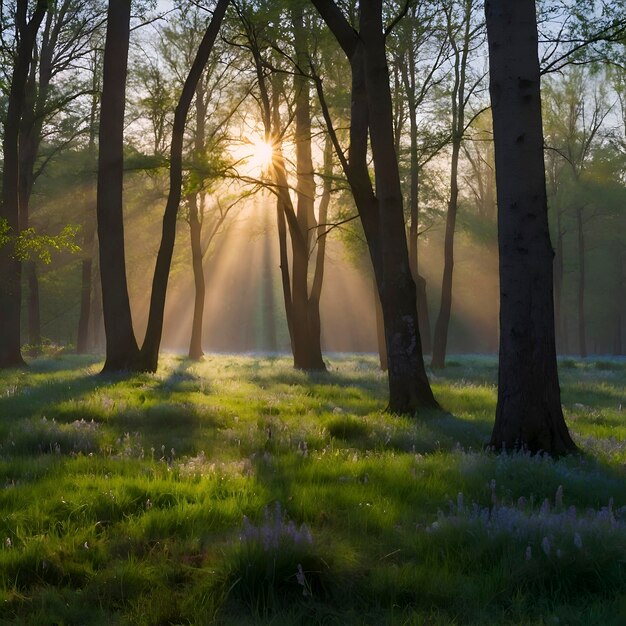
x: 240, y: 491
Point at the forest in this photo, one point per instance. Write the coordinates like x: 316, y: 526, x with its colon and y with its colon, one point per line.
x: 313, y: 312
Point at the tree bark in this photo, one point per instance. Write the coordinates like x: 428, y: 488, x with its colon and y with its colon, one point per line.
x: 408, y: 385
x: 528, y: 413
x: 442, y: 325
x: 382, y: 213
x: 315, y: 326
x: 440, y: 342
x: 10, y: 266
x: 150, y: 348
x: 195, y: 229
x: 308, y: 349
x: 122, y: 352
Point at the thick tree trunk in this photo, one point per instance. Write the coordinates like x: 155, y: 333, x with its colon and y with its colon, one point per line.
x: 582, y: 331
x: 10, y: 266
x: 150, y: 349
x: 122, y: 352
x: 408, y: 385
x: 195, y: 229
x: 440, y: 342
x: 528, y: 413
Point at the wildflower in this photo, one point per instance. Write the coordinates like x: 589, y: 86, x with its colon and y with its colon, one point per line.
x: 545, y: 546
x: 529, y: 553
x: 578, y: 542
x: 8, y: 543
x: 558, y: 499
x: 459, y: 501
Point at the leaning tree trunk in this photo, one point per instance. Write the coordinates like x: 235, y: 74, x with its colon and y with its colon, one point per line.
x: 528, y: 413
x: 10, y: 266
x: 150, y: 349
x: 122, y: 352
x: 381, y: 214
x: 408, y: 384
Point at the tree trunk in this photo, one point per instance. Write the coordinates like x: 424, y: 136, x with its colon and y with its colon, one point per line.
x: 582, y: 333
x: 315, y: 327
x: 308, y: 356
x: 195, y: 228
x: 408, y: 384
x: 89, y: 229
x: 150, y: 349
x: 10, y: 266
x: 34, y: 316
x: 382, y: 214
x: 443, y: 319
x: 420, y: 281
x: 122, y: 352
x: 284, y: 268
x: 528, y: 413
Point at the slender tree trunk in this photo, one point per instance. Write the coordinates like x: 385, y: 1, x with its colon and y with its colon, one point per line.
x: 122, y: 352
x: 445, y: 308
x: 34, y: 316
x: 582, y: 332
x: 154, y: 330
x: 195, y: 228
x: 307, y: 346
x: 315, y: 327
x: 89, y: 228
x: 420, y: 281
x: 284, y: 269
x: 528, y: 413
x: 269, y: 305
x: 442, y: 325
x: 10, y: 266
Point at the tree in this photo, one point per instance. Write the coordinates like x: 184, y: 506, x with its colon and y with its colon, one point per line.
x: 10, y: 265
x: 122, y: 351
x: 528, y: 413
x: 150, y: 348
x: 298, y: 220
x: 381, y: 211
x: 462, y: 30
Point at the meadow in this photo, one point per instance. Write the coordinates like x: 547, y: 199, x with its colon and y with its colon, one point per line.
x: 240, y: 491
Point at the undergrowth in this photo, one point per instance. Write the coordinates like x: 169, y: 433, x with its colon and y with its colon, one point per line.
x: 238, y: 491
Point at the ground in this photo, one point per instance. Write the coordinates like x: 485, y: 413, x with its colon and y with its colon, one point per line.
x: 240, y: 491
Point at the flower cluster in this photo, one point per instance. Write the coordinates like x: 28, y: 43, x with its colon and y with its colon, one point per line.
x: 523, y: 521
x: 275, y: 530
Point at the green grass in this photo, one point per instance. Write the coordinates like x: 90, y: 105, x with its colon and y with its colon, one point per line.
x: 123, y: 499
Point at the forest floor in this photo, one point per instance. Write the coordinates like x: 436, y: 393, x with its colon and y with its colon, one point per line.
x: 240, y: 491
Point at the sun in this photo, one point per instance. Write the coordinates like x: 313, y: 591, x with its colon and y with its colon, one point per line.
x: 261, y: 155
